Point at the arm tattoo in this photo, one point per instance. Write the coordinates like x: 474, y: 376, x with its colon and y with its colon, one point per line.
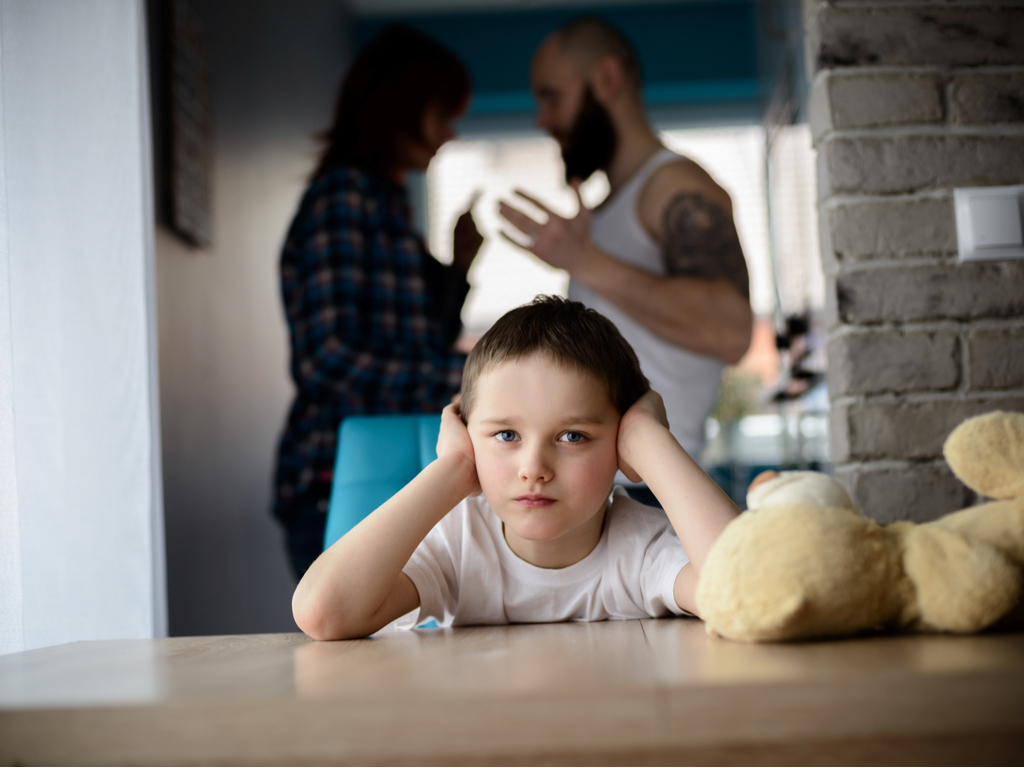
x: 701, y: 241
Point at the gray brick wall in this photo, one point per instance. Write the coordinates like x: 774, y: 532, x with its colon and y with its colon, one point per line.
x: 909, y: 99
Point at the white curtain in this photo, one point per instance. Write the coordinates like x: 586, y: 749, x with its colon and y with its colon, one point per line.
x: 81, y: 527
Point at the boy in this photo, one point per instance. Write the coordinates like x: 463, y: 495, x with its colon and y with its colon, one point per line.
x: 516, y: 520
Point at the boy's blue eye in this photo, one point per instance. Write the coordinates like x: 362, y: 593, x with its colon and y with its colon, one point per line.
x: 506, y: 436
x: 572, y: 437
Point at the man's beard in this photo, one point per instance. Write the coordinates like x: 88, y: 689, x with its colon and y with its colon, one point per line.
x: 591, y: 142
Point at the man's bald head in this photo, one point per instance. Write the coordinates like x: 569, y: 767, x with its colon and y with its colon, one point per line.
x: 586, y: 40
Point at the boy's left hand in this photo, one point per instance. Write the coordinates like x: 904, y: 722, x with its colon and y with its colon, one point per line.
x: 649, y: 409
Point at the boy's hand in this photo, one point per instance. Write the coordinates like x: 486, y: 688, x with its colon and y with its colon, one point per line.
x: 649, y: 409
x: 454, y: 443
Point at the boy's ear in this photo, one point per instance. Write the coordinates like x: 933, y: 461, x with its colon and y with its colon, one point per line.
x: 457, y: 402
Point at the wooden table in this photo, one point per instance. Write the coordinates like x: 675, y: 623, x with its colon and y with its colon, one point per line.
x: 612, y: 692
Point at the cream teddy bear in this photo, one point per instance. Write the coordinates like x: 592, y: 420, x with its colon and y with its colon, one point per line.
x: 803, y: 563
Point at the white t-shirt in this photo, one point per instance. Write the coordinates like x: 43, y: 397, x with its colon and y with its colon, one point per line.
x: 466, y: 574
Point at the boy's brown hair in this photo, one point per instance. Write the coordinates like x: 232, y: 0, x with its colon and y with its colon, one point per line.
x: 573, y: 335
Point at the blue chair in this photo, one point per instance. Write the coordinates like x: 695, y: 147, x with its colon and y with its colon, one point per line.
x: 377, y: 456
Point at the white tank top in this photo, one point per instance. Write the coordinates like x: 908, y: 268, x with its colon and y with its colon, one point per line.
x: 688, y: 382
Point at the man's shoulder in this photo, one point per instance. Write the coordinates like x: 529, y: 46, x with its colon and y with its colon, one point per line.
x: 672, y: 179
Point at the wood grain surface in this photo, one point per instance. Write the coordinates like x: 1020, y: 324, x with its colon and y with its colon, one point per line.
x: 651, y: 692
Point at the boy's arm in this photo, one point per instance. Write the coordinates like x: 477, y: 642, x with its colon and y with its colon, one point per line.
x: 357, y: 586
x: 697, y: 508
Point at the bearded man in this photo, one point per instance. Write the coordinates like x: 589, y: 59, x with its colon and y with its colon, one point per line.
x: 660, y: 256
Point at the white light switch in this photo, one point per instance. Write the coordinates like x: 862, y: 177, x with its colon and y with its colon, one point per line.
x: 995, y: 221
x: 988, y: 222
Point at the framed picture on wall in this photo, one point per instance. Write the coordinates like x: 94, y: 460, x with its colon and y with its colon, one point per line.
x: 191, y: 128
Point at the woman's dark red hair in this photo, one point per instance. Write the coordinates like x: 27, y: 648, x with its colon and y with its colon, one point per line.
x: 384, y: 96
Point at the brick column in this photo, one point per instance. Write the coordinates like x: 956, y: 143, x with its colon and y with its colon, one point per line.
x: 909, y: 100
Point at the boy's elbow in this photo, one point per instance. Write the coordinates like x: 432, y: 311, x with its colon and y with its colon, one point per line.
x: 311, y: 615
x: 306, y: 615
x: 320, y: 622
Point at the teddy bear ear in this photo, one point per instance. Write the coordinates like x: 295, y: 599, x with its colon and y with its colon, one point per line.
x: 987, y: 454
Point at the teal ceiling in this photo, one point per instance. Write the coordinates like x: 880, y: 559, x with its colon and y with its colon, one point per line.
x: 690, y: 53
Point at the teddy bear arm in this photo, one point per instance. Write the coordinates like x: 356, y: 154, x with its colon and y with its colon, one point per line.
x: 999, y: 524
x: 960, y: 585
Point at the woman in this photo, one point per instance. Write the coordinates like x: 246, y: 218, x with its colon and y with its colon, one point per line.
x: 372, y: 315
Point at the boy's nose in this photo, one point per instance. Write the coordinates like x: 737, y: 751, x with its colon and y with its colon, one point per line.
x: 535, y: 467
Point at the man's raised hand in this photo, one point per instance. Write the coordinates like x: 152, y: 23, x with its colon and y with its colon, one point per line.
x: 563, y: 243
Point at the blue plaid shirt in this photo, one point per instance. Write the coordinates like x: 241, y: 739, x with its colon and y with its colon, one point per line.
x: 372, y: 317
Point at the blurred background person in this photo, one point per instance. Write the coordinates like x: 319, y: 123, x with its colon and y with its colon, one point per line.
x: 372, y: 315
x: 661, y: 256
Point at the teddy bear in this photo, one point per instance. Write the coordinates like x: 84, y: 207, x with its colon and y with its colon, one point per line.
x: 803, y: 563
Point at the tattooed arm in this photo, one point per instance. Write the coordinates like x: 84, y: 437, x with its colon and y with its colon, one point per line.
x: 703, y: 304
x: 700, y: 240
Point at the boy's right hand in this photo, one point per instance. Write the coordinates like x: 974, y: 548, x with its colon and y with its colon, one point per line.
x: 454, y: 444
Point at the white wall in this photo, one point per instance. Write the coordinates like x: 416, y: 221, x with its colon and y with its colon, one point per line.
x: 12, y: 636
x: 223, y: 340
x: 80, y: 498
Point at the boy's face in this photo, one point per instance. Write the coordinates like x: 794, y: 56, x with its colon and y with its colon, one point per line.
x: 544, y: 438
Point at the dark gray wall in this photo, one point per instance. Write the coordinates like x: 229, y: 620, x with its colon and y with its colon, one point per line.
x: 223, y: 342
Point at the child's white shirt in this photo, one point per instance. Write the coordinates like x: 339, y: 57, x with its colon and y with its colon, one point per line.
x: 466, y: 573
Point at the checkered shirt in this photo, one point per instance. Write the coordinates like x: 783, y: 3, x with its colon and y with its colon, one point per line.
x: 372, y: 317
